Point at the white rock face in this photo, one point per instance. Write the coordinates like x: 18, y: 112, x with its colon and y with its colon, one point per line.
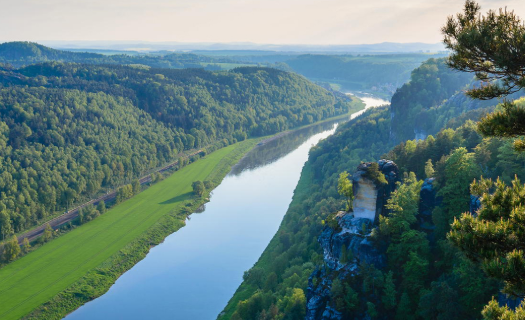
x: 365, y: 200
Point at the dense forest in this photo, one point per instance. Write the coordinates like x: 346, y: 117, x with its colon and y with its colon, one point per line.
x: 425, y: 276
x: 70, y: 131
x: 433, y: 97
x: 381, y: 73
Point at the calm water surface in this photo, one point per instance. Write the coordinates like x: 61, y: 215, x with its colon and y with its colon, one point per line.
x: 196, y: 270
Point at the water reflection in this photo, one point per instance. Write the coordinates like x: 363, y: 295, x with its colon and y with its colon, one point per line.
x: 277, y: 148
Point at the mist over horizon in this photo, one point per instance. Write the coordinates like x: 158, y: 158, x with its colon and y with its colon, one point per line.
x: 292, y: 22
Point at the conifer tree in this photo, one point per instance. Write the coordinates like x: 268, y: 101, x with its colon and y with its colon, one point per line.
x: 493, y: 47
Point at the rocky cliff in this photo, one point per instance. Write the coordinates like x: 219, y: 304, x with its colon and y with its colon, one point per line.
x: 348, y: 245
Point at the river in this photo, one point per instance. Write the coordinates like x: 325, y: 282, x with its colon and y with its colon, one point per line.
x: 196, y: 270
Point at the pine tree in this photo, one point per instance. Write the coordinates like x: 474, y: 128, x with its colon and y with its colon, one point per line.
x: 492, y: 47
x: 389, y: 292
x: 495, y: 237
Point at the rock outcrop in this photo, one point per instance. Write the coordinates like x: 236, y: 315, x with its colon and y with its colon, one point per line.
x: 370, y: 196
x: 349, y: 245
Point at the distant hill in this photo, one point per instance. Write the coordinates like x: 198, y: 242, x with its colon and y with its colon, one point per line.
x: 21, y: 54
x: 385, y: 47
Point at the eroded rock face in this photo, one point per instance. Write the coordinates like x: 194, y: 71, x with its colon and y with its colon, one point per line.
x: 352, y: 235
x: 370, y: 196
x: 365, y: 199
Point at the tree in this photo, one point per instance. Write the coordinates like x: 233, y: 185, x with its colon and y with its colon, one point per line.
x: 48, y: 233
x: 492, y: 47
x: 135, y: 186
x: 255, y: 276
x: 198, y: 188
x: 11, y: 249
x: 404, y: 203
x: 344, y: 187
x: 494, y: 237
x: 389, y: 292
x: 404, y: 309
x: 101, y: 207
x: 208, y: 185
x: 27, y: 245
x: 371, y: 310
x: 460, y: 170
x: 429, y: 169
x: 6, y: 227
x: 415, y: 273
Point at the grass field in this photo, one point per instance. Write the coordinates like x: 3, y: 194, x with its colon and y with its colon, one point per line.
x: 39, y: 276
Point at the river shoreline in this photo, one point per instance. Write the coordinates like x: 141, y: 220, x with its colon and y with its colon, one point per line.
x: 68, y: 300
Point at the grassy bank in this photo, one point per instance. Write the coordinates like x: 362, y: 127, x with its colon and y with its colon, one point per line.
x: 246, y: 289
x: 82, y: 264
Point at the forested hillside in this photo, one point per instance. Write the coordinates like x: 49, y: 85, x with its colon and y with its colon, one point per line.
x: 25, y: 53
x: 70, y: 131
x: 433, y: 280
x: 380, y: 73
x: 433, y: 96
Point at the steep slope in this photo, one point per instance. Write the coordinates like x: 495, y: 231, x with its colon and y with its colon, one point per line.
x: 294, y: 254
x: 381, y: 73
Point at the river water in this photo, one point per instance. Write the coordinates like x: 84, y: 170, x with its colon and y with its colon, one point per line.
x: 196, y: 270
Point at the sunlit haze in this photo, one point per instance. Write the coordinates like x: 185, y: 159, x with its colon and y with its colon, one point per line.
x: 258, y: 21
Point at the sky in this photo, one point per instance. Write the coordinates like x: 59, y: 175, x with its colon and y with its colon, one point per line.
x: 258, y: 21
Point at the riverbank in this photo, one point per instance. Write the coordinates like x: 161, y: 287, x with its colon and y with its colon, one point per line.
x: 82, y: 264
x: 247, y: 289
x: 290, y: 257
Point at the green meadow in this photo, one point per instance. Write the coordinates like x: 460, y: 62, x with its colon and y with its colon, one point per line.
x: 63, y: 264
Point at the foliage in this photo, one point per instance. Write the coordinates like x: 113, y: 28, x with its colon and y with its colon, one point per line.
x: 421, y: 103
x: 383, y: 73
x: 25, y: 53
x: 198, y: 188
x: 82, y: 264
x: 494, y: 237
x: 373, y: 173
x: 69, y: 132
x: 344, y: 187
x: 404, y: 203
x: 11, y: 250
x: 491, y: 46
x: 429, y: 169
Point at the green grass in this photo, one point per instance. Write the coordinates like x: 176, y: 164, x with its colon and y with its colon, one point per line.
x: 39, y: 276
x: 245, y: 290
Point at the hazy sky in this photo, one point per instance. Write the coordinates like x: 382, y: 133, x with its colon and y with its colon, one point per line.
x: 260, y: 21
